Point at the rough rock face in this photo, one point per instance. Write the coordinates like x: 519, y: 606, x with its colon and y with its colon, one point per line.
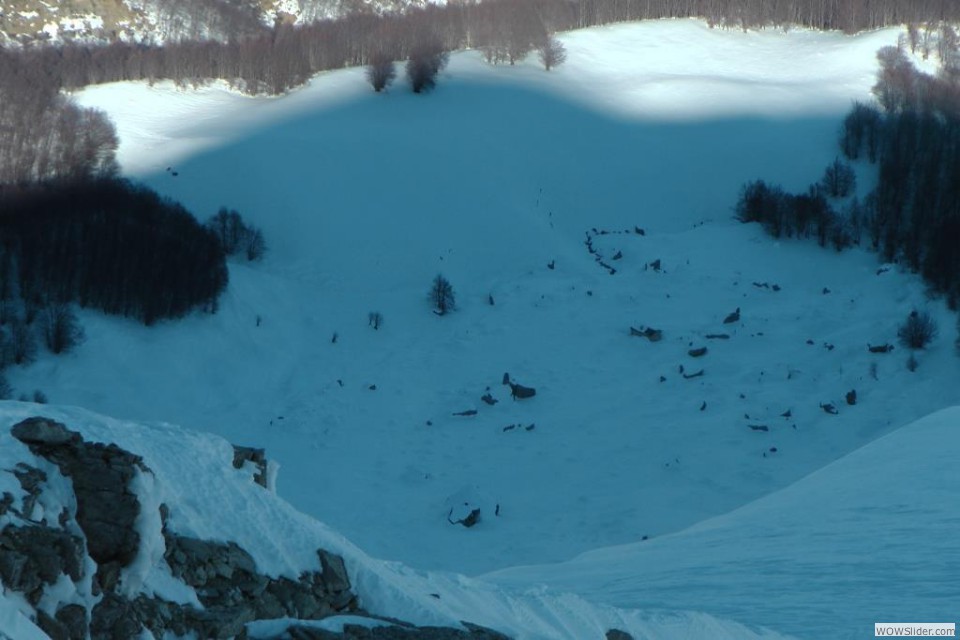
x: 242, y: 455
x: 37, y: 554
x: 101, y: 475
x: 33, y: 556
x: 397, y: 632
x: 225, y: 578
x: 224, y: 575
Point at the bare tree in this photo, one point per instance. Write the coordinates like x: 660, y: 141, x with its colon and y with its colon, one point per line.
x: 839, y: 179
x: 918, y: 330
x: 552, y: 53
x: 381, y: 71
x: 442, y: 296
x: 256, y: 244
x: 60, y: 328
x: 425, y: 62
x: 22, y: 344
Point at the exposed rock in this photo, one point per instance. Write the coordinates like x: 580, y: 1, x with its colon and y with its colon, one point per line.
x: 732, y: 317
x: 51, y: 626
x: 489, y: 399
x: 852, y: 397
x: 334, y: 575
x: 227, y: 583
x: 73, y: 617
x: 42, y: 431
x: 829, y: 408
x: 397, y: 632
x: 31, y: 480
x: 518, y: 391
x: 881, y: 348
x: 468, y: 412
x: 36, y: 555
x: 472, y: 518
x: 101, y: 474
x: 224, y: 575
x: 698, y: 352
x: 651, y: 334
x: 759, y: 427
x: 258, y: 457
x: 617, y: 634
x: 113, y: 618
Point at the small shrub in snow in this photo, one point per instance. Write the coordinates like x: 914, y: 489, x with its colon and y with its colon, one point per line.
x: 375, y: 319
x: 918, y: 330
x: 40, y: 397
x: 6, y: 391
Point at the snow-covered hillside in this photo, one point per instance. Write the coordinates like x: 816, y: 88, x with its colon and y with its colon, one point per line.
x: 208, y: 499
x: 364, y: 198
x: 500, y: 172
x: 869, y: 538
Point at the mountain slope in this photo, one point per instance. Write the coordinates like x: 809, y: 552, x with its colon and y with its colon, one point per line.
x: 500, y: 172
x: 869, y: 538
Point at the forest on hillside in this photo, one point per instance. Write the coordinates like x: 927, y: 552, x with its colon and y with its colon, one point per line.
x: 912, y: 136
x: 51, y: 148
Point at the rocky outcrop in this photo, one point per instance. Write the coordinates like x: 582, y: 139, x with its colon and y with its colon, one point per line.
x: 226, y: 580
x: 224, y: 575
x: 34, y: 556
x: 397, y: 632
x: 100, y: 535
x: 101, y: 475
x: 258, y: 457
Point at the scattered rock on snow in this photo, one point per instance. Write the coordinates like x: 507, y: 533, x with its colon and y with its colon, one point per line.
x: 732, y: 317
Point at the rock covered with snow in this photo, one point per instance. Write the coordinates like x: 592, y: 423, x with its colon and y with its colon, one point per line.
x: 100, y: 526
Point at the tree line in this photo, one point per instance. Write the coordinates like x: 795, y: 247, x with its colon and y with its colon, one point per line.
x: 912, y: 135
x: 44, y: 135
x: 106, y: 244
x: 274, y: 60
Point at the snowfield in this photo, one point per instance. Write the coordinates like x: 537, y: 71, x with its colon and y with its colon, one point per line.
x: 501, y: 171
x: 869, y: 538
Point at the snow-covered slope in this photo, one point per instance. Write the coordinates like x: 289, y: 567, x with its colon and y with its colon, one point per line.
x: 869, y: 538
x: 191, y: 473
x: 498, y: 173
